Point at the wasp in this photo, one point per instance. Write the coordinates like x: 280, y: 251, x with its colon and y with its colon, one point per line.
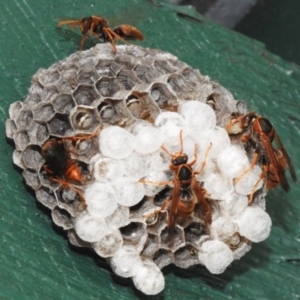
x: 187, y: 192
x: 60, y: 165
x: 99, y: 27
x: 259, y: 134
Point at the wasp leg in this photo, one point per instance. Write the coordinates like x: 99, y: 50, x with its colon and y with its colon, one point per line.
x: 204, y: 161
x: 116, y: 36
x: 47, y: 169
x: 163, y: 207
x: 67, y: 184
x: 72, y: 23
x: 195, y: 156
x: 83, y: 137
x: 110, y: 36
x: 261, y: 177
x: 82, y: 42
x: 156, y: 183
x: 254, y: 161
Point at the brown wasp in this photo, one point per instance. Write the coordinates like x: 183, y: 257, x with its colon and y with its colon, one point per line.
x: 260, y: 134
x: 187, y: 192
x: 99, y: 27
x: 60, y: 166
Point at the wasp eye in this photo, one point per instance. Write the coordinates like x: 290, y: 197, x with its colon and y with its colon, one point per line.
x: 180, y: 159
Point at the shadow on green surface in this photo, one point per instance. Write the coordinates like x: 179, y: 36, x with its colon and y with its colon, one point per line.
x: 72, y: 39
x: 237, y: 268
x: 278, y: 207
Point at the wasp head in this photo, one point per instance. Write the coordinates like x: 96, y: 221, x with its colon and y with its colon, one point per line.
x: 179, y: 159
x: 263, y: 126
x: 85, y: 24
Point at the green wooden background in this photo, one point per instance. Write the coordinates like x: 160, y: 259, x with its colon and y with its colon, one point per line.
x: 36, y: 261
x: 277, y: 23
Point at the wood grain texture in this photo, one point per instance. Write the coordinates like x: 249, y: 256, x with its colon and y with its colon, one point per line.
x: 36, y: 260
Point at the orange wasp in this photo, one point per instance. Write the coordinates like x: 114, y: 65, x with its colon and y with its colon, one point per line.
x: 187, y: 192
x: 260, y: 133
x: 99, y: 27
x: 61, y: 167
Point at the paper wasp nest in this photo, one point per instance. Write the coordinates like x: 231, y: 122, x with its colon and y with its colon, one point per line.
x: 141, y: 99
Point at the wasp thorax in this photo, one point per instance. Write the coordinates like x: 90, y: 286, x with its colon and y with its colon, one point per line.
x: 266, y: 126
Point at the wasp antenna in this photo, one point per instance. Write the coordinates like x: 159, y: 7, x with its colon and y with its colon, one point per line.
x: 204, y: 161
x: 163, y: 148
x: 181, y: 142
x: 207, y: 151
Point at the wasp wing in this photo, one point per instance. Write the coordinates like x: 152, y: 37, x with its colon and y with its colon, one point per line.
x: 174, y: 203
x: 286, y: 157
x: 278, y: 169
x: 204, y: 206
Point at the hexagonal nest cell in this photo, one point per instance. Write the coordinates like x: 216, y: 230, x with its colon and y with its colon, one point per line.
x: 95, y: 138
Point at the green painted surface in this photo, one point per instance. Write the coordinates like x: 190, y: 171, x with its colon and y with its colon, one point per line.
x: 277, y: 24
x: 36, y: 260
